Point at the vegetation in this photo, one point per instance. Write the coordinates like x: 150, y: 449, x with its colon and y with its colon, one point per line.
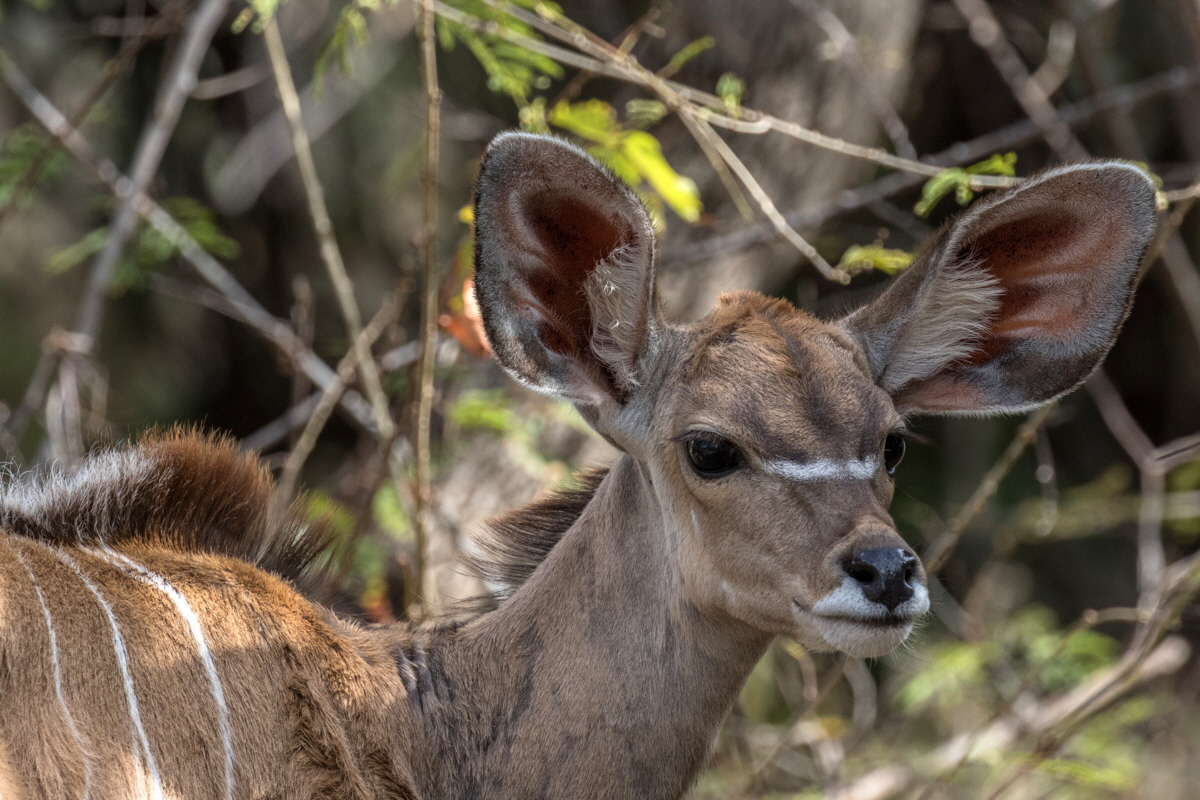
x: 161, y: 264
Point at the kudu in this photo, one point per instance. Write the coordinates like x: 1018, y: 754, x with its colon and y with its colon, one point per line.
x: 146, y: 648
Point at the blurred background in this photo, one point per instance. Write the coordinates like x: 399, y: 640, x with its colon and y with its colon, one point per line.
x: 161, y: 265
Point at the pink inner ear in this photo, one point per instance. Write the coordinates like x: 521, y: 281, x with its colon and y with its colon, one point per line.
x: 1048, y: 268
x: 573, y: 239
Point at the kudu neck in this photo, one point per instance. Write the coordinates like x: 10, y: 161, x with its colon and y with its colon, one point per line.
x: 598, y: 677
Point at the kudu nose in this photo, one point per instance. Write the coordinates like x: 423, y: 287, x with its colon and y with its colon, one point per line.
x: 885, y: 574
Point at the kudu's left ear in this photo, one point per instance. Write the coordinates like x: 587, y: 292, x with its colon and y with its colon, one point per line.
x: 564, y: 269
x: 1019, y: 299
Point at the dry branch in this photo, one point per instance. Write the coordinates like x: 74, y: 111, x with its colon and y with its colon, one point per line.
x: 323, y: 226
x: 429, y: 303
x: 240, y: 302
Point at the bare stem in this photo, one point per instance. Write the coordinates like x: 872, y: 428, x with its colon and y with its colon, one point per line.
x: 290, y: 476
x: 429, y: 304
x: 240, y: 302
x: 937, y: 554
x: 330, y: 253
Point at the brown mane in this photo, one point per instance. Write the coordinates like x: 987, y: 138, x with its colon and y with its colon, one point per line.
x: 179, y: 489
x: 509, y: 548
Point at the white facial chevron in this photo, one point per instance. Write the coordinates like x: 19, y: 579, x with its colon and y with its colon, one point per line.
x: 824, y: 469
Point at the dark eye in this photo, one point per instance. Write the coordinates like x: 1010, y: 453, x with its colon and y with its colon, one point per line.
x: 893, y: 451
x: 713, y: 458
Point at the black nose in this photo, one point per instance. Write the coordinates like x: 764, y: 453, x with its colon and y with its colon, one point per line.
x: 885, y: 574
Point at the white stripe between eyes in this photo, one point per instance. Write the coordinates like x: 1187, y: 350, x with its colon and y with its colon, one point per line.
x: 824, y: 469
x: 123, y: 665
x: 57, y: 672
x: 139, y: 572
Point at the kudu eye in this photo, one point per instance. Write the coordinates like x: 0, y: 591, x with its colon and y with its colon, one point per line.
x: 893, y: 451
x: 713, y: 457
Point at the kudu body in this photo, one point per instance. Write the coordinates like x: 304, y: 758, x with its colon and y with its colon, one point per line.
x: 146, y: 648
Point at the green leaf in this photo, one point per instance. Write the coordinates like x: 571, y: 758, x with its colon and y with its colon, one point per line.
x: 861, y: 258
x: 685, y: 55
x: 996, y: 164
x: 510, y: 68
x: 62, y: 260
x: 958, y: 180
x: 486, y: 410
x: 730, y: 89
x: 389, y: 515
x: 1089, y: 775
x: 642, y: 113
x: 954, y: 670
x: 635, y: 156
x: 593, y: 120
x: 351, y: 30
x: 19, y: 153
x: 677, y: 191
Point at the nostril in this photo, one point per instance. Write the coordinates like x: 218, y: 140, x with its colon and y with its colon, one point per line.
x: 861, y: 572
x: 885, y: 575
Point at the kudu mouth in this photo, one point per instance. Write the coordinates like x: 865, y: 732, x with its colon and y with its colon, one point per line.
x: 881, y: 596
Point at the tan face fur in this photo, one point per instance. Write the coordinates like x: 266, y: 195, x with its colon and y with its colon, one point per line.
x: 1012, y: 305
x: 767, y: 543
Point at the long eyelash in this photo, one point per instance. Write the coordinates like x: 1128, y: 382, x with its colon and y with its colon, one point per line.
x: 911, y: 436
x: 702, y: 436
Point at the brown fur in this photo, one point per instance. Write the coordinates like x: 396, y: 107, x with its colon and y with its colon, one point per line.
x: 636, y: 606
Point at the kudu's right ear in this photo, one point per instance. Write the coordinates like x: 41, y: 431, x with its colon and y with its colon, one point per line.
x: 1019, y: 299
x: 564, y: 269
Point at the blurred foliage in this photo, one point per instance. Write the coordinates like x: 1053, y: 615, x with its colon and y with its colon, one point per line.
x: 150, y: 249
x: 20, y: 152
x: 1068, y: 541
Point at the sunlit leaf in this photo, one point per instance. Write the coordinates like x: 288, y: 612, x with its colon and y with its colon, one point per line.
x: 677, y: 191
x: 873, y: 257
x: 593, y: 120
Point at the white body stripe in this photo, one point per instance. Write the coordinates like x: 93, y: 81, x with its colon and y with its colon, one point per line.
x: 56, y: 670
x: 139, y: 572
x: 123, y: 665
x: 824, y: 469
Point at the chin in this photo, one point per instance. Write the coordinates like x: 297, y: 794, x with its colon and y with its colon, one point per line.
x: 862, y: 638
x: 859, y: 629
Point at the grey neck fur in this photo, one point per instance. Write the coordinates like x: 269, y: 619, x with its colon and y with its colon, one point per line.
x: 597, y: 678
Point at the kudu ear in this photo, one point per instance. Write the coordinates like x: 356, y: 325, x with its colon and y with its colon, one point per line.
x: 1019, y: 299
x: 564, y: 269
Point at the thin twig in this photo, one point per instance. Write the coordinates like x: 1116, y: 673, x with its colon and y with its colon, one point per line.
x: 175, y: 88
x: 346, y: 368
x: 323, y: 226
x: 847, y: 49
x: 936, y: 555
x: 161, y: 25
x: 241, y: 304
x: 177, y: 85
x: 429, y: 304
x: 986, y: 32
x: 606, y: 60
x: 700, y: 129
x: 1006, y: 138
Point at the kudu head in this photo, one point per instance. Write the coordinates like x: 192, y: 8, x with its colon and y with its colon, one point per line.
x: 770, y: 437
